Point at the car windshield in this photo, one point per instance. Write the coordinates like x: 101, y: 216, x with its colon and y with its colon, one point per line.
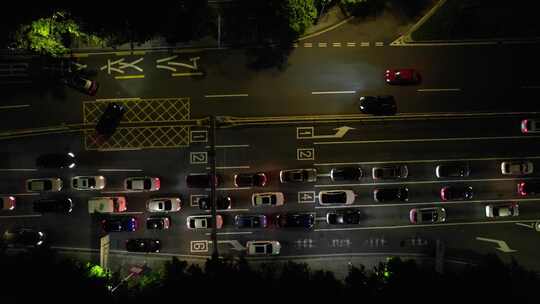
x: 335, y: 198
x: 259, y: 249
x: 91, y: 182
x: 147, y: 184
x: 168, y: 205
x: 429, y: 216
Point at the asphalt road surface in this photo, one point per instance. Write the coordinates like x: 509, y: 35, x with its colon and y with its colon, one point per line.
x: 467, y: 109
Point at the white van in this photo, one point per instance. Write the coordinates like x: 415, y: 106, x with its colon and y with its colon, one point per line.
x: 107, y: 204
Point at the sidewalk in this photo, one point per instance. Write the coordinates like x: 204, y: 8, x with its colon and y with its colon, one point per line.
x: 334, y: 16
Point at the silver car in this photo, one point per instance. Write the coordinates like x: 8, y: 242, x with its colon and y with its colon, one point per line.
x: 164, y: 204
x: 145, y: 183
x: 519, y: 167
x: 267, y: 199
x: 263, y: 247
x: 51, y: 184
x: 88, y: 182
x: 502, y: 210
x: 427, y: 215
x: 203, y: 221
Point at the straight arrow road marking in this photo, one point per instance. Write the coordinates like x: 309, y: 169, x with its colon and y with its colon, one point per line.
x: 309, y: 133
x: 502, y: 244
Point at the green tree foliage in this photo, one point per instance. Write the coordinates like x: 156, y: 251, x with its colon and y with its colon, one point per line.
x: 51, y: 35
x: 41, y: 275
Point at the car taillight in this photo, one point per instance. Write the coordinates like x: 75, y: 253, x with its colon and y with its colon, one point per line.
x: 443, y: 194
x: 158, y: 183
x: 264, y: 179
x: 521, y: 189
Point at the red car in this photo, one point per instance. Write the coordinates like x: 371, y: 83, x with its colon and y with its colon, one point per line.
x: 402, y: 76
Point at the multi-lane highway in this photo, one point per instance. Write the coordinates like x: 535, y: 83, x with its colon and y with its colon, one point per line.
x: 467, y: 109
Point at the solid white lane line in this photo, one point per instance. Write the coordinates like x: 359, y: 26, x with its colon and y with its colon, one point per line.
x: 379, y: 141
x: 426, y: 182
x: 18, y: 169
x: 231, y: 167
x: 439, y: 90
x: 14, y: 107
x: 429, y: 203
x: 333, y: 92
x: 531, y: 87
x: 227, y: 210
x: 20, y: 216
x: 20, y: 194
x: 525, y: 225
x: 423, y: 226
x: 75, y: 248
x: 231, y: 233
x: 226, y: 95
x: 426, y: 161
x: 120, y: 170
x: 228, y: 146
x: 230, y: 189
x: 119, y: 149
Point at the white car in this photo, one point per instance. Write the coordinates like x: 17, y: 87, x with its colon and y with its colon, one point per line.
x: 203, y: 221
x: 519, y: 167
x: 145, y: 183
x: 8, y: 203
x: 88, y: 182
x: 263, y: 247
x: 498, y: 210
x: 529, y: 126
x: 52, y: 184
x: 336, y: 197
x: 164, y: 204
x: 268, y: 199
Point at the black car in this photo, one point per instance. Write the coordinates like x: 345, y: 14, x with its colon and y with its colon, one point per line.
x: 82, y: 84
x: 53, y: 205
x: 378, y: 105
x: 222, y: 202
x: 119, y: 224
x: 452, y: 170
x: 24, y: 237
x: 251, y: 221
x: 390, y: 172
x: 158, y: 223
x: 295, y: 220
x: 143, y: 245
x: 250, y: 179
x: 450, y: 193
x: 56, y: 161
x: 346, y: 174
x: 347, y: 217
x: 391, y: 194
x: 110, y: 119
x: 202, y: 180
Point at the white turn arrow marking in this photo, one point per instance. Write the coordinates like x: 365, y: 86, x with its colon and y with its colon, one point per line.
x: 502, y: 244
x: 341, y: 131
